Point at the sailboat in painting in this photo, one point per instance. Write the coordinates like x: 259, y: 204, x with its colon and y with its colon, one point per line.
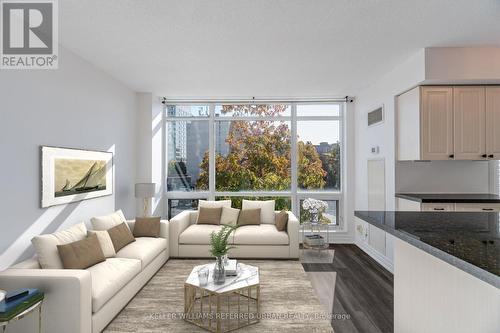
x: 93, y: 180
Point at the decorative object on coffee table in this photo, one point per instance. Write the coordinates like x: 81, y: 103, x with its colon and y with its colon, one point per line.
x: 219, y: 247
x: 145, y: 191
x: 223, y: 308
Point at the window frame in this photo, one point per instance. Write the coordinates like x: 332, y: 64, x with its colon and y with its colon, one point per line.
x: 295, y: 193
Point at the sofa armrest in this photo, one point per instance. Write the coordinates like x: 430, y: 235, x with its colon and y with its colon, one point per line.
x: 177, y: 225
x: 67, y: 306
x: 293, y: 235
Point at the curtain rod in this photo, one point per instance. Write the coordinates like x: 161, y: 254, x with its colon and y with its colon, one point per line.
x: 167, y: 100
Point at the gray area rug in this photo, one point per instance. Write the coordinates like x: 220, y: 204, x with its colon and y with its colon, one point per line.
x: 287, y: 300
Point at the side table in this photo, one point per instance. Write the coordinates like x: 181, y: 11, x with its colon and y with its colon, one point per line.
x: 23, y: 313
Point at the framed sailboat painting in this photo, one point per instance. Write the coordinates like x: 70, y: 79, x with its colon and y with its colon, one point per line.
x: 70, y: 175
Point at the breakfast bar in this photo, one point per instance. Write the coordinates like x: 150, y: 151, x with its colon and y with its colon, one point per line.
x: 451, y: 260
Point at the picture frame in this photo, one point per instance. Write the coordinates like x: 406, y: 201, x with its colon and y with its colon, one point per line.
x: 71, y: 175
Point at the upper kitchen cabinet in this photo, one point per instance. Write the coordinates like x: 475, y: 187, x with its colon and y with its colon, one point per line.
x: 448, y: 123
x: 493, y: 122
x: 469, y: 123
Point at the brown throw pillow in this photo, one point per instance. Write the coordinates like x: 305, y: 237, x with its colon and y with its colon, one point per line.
x: 249, y: 217
x: 147, y: 227
x: 81, y: 254
x: 209, y: 215
x: 120, y: 236
x: 281, y: 220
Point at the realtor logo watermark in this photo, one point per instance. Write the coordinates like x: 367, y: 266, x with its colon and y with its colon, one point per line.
x: 29, y: 31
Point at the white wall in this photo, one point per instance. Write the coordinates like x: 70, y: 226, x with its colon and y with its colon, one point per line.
x: 75, y: 106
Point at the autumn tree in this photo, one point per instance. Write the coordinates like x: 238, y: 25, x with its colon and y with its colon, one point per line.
x: 259, y: 156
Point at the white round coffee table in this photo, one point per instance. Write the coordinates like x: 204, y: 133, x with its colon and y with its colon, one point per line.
x: 226, y: 307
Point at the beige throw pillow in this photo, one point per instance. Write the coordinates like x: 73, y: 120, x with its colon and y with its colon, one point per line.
x: 249, y: 217
x: 229, y: 216
x: 81, y: 254
x: 209, y: 215
x: 281, y: 220
x: 267, y: 213
x: 147, y: 227
x: 109, y: 221
x: 46, y: 245
x: 105, y: 241
x: 120, y: 236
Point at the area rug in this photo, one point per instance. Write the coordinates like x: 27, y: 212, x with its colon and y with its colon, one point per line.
x: 288, y: 302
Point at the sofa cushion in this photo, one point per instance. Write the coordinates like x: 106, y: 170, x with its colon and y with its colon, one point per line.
x: 144, y: 249
x: 81, y: 254
x: 46, y: 245
x: 200, y: 234
x: 229, y: 216
x: 109, y: 221
x: 109, y: 277
x: 264, y: 234
x: 121, y: 236
x: 249, y: 217
x: 267, y: 214
x: 108, y: 249
x: 147, y: 227
x: 209, y: 215
x: 214, y: 204
x: 281, y: 220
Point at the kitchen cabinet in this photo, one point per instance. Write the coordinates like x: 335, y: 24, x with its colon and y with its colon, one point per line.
x: 409, y: 205
x: 448, y: 123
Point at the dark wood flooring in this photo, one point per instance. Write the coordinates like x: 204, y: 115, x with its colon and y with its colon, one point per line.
x: 363, y: 290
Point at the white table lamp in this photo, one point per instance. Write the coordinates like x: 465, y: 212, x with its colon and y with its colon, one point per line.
x: 145, y: 191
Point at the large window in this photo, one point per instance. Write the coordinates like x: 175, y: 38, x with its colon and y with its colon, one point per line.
x: 285, y: 151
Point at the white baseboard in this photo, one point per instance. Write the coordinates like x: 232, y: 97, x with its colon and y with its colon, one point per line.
x: 377, y: 256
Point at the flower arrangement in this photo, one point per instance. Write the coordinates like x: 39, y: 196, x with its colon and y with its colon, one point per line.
x: 315, y: 209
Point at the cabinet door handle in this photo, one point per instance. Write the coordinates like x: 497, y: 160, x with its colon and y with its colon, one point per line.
x: 438, y: 208
x: 491, y: 156
x: 488, y: 209
x: 451, y: 156
x: 484, y: 156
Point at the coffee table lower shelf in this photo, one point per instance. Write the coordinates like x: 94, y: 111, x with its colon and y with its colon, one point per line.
x: 221, y: 312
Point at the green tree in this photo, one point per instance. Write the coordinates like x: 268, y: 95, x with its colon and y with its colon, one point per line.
x: 259, y: 156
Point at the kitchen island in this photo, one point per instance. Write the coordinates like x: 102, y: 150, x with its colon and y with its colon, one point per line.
x: 446, y: 269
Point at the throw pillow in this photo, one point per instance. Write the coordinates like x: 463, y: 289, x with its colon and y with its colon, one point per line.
x: 105, y: 241
x: 214, y: 204
x: 121, y: 236
x: 147, y: 227
x: 209, y: 215
x: 81, y: 254
x: 249, y: 217
x: 229, y: 216
x: 281, y: 220
x: 267, y: 213
x: 109, y: 221
x: 46, y: 245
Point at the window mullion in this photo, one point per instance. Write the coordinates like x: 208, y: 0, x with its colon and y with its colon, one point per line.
x: 211, y: 152
x: 294, y: 171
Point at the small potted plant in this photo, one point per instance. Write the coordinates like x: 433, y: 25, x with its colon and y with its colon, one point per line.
x: 219, y: 248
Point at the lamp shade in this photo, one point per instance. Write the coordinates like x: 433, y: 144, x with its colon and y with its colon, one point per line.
x: 145, y: 190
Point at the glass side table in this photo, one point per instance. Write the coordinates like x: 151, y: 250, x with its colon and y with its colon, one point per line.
x: 24, y: 313
x: 315, y: 228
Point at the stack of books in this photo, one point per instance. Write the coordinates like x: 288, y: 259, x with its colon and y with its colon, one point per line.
x: 17, y: 301
x: 314, y: 240
x: 231, y: 267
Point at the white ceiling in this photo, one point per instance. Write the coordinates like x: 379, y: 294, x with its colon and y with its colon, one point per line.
x: 266, y: 48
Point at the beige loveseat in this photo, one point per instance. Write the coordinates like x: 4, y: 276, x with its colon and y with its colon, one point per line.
x: 85, y: 301
x: 190, y: 240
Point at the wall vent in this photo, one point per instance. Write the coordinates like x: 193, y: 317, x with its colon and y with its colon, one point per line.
x: 376, y: 116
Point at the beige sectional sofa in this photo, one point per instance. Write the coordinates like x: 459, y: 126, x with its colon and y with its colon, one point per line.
x: 84, y: 301
x: 190, y: 240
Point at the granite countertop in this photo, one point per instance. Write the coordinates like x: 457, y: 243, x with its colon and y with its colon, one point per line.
x: 450, y: 197
x: 467, y: 240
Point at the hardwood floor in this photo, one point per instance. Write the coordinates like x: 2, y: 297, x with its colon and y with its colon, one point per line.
x: 363, y: 290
